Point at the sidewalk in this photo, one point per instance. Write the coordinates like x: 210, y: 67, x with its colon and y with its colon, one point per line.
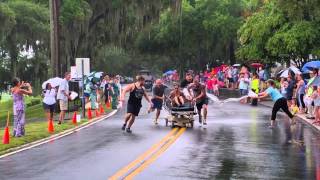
x: 300, y: 116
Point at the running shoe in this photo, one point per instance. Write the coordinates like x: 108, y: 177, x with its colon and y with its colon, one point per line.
x: 129, y: 130
x: 124, y: 127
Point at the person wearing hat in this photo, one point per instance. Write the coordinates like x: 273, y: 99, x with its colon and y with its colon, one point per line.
x: 279, y: 101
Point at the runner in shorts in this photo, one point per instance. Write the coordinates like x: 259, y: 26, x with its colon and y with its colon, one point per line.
x: 137, y: 91
x: 200, y: 98
x: 157, y: 100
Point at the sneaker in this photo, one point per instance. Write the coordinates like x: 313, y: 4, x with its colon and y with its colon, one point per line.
x: 124, y: 127
x: 128, y: 130
x: 204, y: 123
x: 155, y: 121
x: 271, y: 126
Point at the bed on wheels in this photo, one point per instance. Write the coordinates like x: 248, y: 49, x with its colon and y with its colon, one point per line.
x: 181, y: 116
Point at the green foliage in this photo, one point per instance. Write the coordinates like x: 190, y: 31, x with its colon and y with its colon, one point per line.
x: 281, y: 28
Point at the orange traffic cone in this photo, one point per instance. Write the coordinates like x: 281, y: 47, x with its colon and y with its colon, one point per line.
x: 89, y: 114
x: 108, y: 104
x: 101, y: 109
x: 50, y: 126
x: 74, y: 118
x: 97, y: 113
x: 6, y: 136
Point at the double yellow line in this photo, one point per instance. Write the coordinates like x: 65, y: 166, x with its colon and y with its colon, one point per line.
x: 152, y: 154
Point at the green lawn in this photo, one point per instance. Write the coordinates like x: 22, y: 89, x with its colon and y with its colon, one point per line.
x: 34, y: 110
x: 34, y: 131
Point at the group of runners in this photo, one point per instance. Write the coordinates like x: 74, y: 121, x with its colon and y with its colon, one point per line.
x: 190, y: 90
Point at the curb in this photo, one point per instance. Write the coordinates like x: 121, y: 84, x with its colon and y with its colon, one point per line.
x: 31, y: 145
x: 299, y: 116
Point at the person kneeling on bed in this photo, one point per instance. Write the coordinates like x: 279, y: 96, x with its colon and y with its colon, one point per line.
x: 176, y: 96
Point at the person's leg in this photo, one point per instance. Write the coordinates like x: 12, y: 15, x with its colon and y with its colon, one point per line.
x: 176, y: 100
x: 181, y: 100
x: 131, y: 121
x: 157, y: 116
x: 285, y: 108
x: 275, y: 109
x: 205, y: 112
x: 199, y: 107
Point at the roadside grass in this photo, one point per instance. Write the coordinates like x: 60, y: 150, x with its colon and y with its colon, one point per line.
x: 35, y: 131
x: 34, y: 110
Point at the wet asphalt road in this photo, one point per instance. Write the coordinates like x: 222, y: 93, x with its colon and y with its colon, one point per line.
x: 235, y: 145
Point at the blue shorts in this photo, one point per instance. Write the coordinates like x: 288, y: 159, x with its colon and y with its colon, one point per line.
x: 157, y: 104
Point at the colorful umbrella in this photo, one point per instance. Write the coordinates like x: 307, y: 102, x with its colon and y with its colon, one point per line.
x: 256, y: 65
x: 311, y: 65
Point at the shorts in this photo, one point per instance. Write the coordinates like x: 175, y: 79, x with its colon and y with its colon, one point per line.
x: 133, y: 109
x: 243, y: 92
x: 157, y: 104
x: 203, y: 102
x: 63, y: 105
x: 49, y: 107
x: 230, y: 80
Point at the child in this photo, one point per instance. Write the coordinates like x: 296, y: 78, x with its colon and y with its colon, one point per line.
x: 316, y: 100
x: 294, y: 108
x: 215, y: 85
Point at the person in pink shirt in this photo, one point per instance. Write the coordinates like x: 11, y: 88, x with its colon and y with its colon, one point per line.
x: 209, y: 85
x: 215, y: 85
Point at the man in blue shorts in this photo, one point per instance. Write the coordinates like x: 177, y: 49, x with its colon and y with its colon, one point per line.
x: 157, y: 100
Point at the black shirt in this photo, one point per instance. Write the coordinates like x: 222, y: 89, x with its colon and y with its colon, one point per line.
x: 158, y: 90
x: 184, y: 83
x: 290, y: 87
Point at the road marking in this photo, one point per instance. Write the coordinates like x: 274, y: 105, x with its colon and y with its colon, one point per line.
x: 122, y: 172
x: 155, y: 156
x: 149, y: 156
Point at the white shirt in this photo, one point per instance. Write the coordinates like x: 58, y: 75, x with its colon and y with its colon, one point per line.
x: 64, y: 86
x: 50, y: 97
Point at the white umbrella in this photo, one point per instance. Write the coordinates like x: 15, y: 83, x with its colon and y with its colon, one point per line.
x: 295, y: 70
x: 53, y: 81
x: 285, y: 73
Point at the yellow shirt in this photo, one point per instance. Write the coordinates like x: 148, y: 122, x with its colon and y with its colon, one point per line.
x: 294, y: 109
x: 255, y: 85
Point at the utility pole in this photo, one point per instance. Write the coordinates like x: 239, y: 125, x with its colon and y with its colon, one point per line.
x: 54, y: 37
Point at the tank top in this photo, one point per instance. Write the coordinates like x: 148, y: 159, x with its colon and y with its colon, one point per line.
x: 135, y: 96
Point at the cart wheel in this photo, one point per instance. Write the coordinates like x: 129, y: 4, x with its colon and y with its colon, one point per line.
x: 167, y: 122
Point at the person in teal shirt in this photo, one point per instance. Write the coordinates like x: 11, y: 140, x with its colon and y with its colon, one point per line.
x: 279, y: 101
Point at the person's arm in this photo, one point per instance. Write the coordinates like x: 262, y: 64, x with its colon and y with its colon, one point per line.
x: 146, y: 96
x: 26, y: 92
x: 263, y: 95
x: 125, y: 91
x: 201, y: 94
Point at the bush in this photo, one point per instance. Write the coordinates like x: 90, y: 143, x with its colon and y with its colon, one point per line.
x: 33, y: 102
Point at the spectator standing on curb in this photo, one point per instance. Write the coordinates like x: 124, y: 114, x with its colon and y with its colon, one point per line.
x: 49, y: 100
x: 300, y: 93
x: 18, y: 91
x: 289, y: 90
x: 316, y: 98
x: 243, y: 86
x: 63, y: 96
x: 309, y: 92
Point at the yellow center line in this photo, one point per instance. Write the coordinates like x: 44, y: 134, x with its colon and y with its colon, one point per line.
x: 142, y: 157
x: 155, y: 156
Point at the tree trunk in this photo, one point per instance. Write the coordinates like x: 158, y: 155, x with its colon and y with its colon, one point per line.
x: 54, y: 37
